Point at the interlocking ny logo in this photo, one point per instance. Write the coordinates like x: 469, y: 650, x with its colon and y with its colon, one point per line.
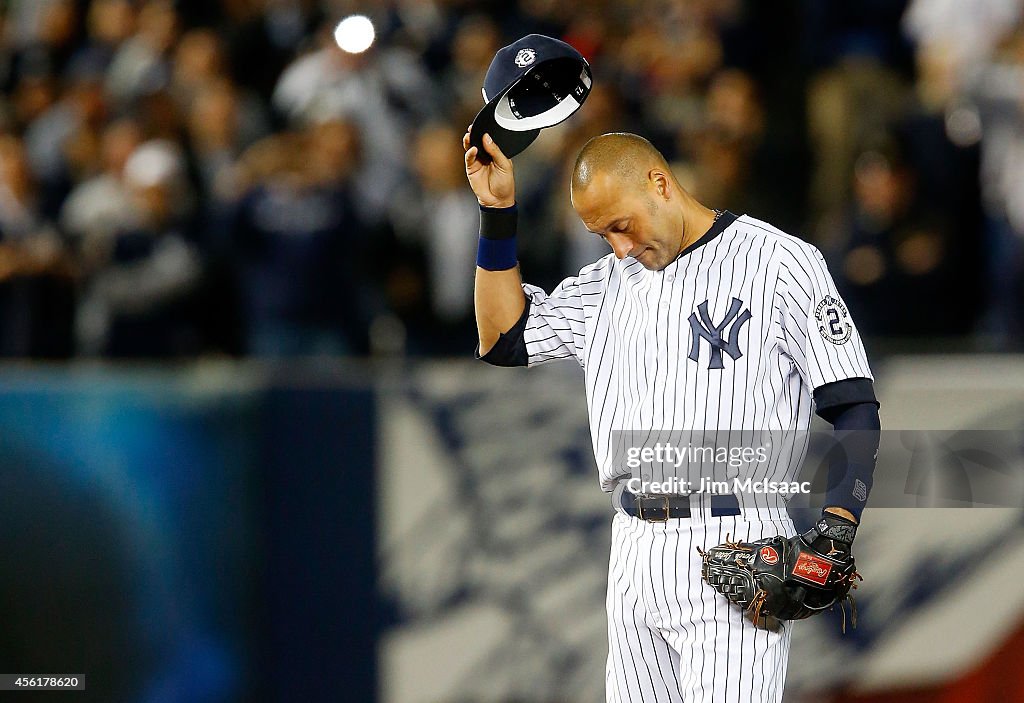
x: 706, y: 329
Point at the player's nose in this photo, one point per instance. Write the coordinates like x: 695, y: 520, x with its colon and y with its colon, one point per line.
x: 620, y: 245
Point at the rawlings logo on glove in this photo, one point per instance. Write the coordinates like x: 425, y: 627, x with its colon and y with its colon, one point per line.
x: 788, y: 578
x: 812, y: 568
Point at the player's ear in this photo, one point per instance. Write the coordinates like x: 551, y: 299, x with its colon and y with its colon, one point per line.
x: 661, y: 182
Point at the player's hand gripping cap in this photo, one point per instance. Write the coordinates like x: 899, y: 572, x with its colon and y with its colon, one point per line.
x: 531, y: 84
x: 788, y: 578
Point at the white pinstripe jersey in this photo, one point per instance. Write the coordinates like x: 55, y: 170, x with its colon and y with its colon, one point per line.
x: 656, y: 356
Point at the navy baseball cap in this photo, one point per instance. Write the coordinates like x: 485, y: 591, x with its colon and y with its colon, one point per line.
x: 531, y: 84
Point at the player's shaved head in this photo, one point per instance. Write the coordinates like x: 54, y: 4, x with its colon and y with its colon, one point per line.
x: 629, y: 158
x: 624, y: 191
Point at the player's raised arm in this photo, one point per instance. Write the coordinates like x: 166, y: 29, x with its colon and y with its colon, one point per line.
x: 499, y: 299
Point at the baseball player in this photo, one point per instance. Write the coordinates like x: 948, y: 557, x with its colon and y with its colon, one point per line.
x: 698, y: 320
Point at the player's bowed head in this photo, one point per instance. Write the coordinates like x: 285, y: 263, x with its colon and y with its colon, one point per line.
x: 625, y: 192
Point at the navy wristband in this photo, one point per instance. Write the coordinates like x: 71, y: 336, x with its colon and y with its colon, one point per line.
x: 496, y: 254
x: 497, y: 247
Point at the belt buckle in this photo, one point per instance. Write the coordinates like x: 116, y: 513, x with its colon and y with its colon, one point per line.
x: 640, y: 508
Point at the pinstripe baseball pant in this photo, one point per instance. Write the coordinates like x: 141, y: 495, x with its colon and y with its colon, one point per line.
x: 672, y: 638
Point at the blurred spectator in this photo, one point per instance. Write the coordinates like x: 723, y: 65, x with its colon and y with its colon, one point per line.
x: 476, y: 40
x: 109, y: 23
x: 298, y: 243
x: 383, y: 90
x: 35, y: 269
x: 60, y: 140
x: 996, y: 90
x: 43, y: 35
x: 198, y: 61
x: 666, y: 64
x: 136, y: 300
x: 101, y: 205
x: 965, y: 34
x: 203, y: 90
x: 34, y: 90
x: 221, y: 124
x: 846, y: 105
x: 141, y: 64
x: 438, y: 215
x: 889, y: 249
x: 724, y: 147
x: 263, y: 37
x: 859, y: 88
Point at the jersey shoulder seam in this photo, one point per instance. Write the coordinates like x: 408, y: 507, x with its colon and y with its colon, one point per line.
x: 784, y: 238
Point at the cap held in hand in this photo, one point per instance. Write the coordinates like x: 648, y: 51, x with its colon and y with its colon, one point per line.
x: 533, y: 83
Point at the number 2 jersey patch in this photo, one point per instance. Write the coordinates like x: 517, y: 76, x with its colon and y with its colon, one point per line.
x: 833, y: 320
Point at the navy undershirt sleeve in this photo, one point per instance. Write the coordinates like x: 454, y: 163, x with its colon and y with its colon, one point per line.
x: 510, y: 349
x: 851, y: 407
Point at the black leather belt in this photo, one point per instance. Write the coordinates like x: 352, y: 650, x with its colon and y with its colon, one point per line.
x: 660, y: 508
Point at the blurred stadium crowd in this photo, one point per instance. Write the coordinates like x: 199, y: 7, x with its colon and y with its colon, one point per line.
x: 218, y: 177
